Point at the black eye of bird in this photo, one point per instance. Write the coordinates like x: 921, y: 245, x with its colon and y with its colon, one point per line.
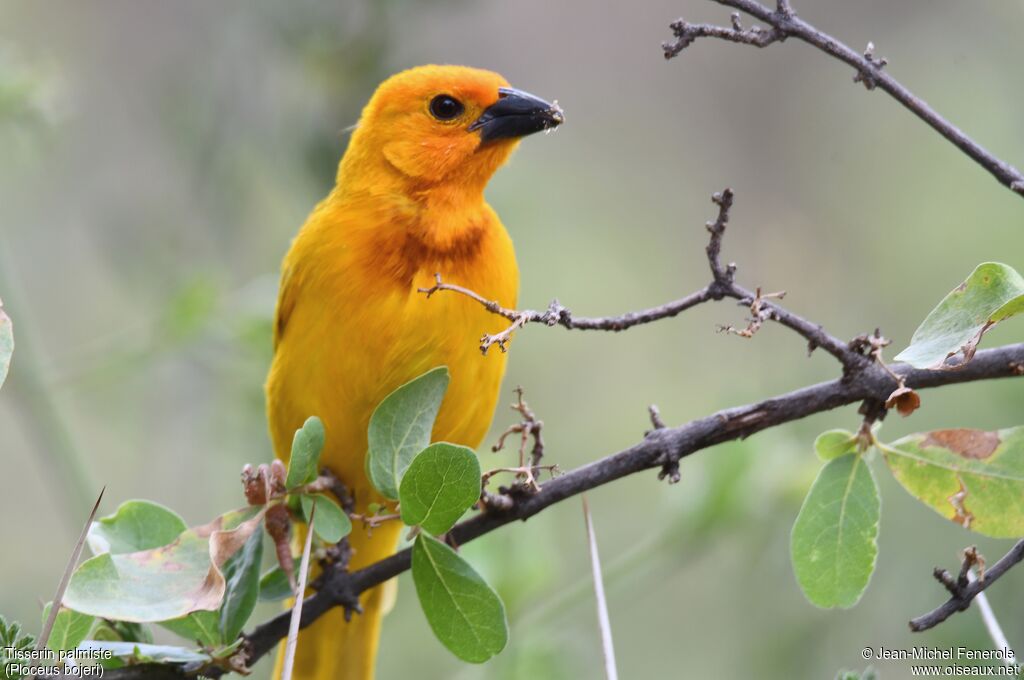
x: 445, y: 107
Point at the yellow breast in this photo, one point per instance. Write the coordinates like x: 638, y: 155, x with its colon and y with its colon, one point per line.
x: 352, y: 327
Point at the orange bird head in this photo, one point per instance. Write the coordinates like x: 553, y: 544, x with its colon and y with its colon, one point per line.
x: 433, y: 125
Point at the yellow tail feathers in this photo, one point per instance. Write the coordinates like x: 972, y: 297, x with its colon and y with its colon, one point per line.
x: 335, y: 649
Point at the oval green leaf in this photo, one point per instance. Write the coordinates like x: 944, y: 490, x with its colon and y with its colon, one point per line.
x: 274, y: 585
x: 140, y: 652
x: 972, y: 477
x: 835, y: 443
x: 202, y: 627
x: 993, y: 292
x: 834, y: 541
x: 400, y: 428
x: 441, y: 484
x: 242, y: 587
x: 332, y: 524
x: 466, y: 615
x: 69, y: 628
x: 135, y: 525
x: 304, y: 462
x: 122, y: 631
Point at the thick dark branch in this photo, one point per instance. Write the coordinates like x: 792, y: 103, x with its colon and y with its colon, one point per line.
x: 661, y: 446
x: 783, y: 23
x: 864, y: 380
x: 145, y: 671
x: 963, y: 595
x: 870, y: 382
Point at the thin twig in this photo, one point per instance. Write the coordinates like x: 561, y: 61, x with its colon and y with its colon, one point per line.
x: 759, y: 313
x: 371, y: 522
x: 558, y: 315
x: 529, y: 426
x: 527, y: 471
x: 783, y: 23
x: 338, y: 587
x: 722, y: 286
x: 526, y: 474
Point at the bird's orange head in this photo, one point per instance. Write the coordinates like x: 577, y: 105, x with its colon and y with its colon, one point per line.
x: 434, y: 125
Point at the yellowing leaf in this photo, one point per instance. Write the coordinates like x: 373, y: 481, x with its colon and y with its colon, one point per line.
x: 972, y: 477
x: 163, y: 583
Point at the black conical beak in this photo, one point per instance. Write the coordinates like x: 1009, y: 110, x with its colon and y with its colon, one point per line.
x: 516, y: 114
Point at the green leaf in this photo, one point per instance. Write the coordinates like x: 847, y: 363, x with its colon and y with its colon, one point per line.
x: 303, y: 465
x: 835, y: 443
x: 12, y: 636
x: 6, y: 343
x: 467, y: 616
x: 332, y: 524
x: 440, y: 485
x: 242, y: 576
x: 123, y: 631
x: 166, y: 582
x: 400, y: 428
x: 135, y: 526
x: 972, y: 477
x: 992, y: 293
x: 274, y: 585
x: 13, y: 640
x: 202, y: 627
x: 834, y: 540
x: 145, y: 653
x: 227, y: 651
x: 69, y: 628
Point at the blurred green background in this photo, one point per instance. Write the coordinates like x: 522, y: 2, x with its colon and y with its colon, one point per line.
x: 156, y: 158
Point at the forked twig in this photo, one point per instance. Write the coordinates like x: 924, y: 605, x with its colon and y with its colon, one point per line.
x: 783, y: 23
